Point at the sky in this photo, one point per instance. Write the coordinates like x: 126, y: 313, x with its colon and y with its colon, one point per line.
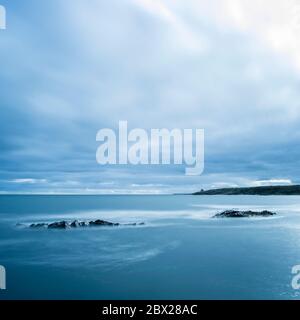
x: 69, y: 68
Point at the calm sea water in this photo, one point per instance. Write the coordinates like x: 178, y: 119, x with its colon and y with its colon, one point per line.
x: 181, y: 253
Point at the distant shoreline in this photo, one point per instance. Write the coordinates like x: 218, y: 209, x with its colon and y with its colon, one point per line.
x: 293, y: 190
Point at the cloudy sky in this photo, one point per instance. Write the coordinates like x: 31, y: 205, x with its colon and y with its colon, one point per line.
x: 71, y: 67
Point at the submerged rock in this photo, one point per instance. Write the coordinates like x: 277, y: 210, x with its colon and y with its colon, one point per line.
x: 21, y: 225
x: 244, y: 214
x: 135, y: 224
x: 83, y: 224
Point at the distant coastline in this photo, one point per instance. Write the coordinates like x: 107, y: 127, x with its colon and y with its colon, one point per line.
x: 293, y: 190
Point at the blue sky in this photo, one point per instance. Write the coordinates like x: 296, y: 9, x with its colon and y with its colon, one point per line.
x: 71, y: 67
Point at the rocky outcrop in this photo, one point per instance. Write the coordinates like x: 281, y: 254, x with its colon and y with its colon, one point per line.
x: 244, y: 214
x: 78, y: 224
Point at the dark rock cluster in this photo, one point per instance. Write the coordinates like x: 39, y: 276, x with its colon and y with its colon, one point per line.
x: 79, y: 224
x: 244, y: 214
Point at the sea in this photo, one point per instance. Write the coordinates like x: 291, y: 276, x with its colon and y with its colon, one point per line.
x: 181, y: 252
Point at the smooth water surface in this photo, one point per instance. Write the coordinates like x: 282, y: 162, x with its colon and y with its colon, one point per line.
x: 180, y: 253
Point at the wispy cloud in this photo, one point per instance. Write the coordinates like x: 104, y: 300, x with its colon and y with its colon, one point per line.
x: 28, y: 181
x: 188, y: 38
x: 270, y: 182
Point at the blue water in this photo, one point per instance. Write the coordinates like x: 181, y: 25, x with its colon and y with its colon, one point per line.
x: 180, y: 253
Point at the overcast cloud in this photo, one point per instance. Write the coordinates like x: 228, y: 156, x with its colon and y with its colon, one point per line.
x: 71, y: 67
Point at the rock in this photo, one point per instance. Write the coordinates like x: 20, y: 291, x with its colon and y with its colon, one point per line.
x: 244, y: 214
x: 102, y: 223
x: 38, y: 225
x: 134, y: 224
x: 78, y: 224
x: 75, y: 224
x: 20, y: 225
x: 83, y: 224
x: 58, y: 225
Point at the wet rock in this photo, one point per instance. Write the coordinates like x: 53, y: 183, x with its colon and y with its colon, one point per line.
x: 38, y: 225
x: 59, y: 225
x: 75, y: 224
x: 83, y: 224
x: 103, y: 223
x: 244, y: 214
x: 134, y: 224
x: 78, y: 224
